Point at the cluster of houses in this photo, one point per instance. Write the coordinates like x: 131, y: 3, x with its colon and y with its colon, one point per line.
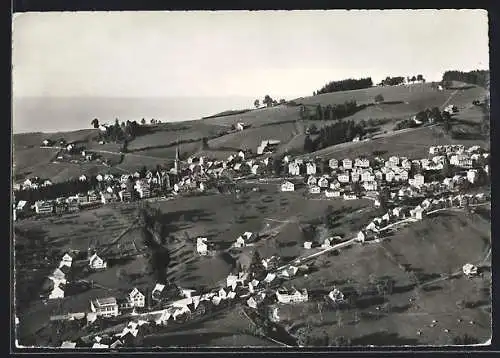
x: 59, y: 276
x: 369, y: 176
x: 418, y: 212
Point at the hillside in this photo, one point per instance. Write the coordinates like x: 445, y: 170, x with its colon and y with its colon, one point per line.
x: 158, y: 145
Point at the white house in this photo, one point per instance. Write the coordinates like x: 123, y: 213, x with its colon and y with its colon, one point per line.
x: 362, y: 162
x: 335, y: 184
x: 417, y: 213
x: 136, y: 298
x: 419, y: 179
x: 472, y: 175
x: 347, y: 163
x: 360, y: 237
x: 287, y: 186
x: 56, y: 293
x: 67, y: 260
x: 240, y: 126
x: 343, y: 177
x: 295, y: 296
x: 332, y: 193
x: 314, y: 190
x: 389, y: 176
x: 201, y: 246
x: 350, y: 196
x: 333, y: 163
x: 469, y: 270
x: 107, y: 307
x: 367, y: 176
x: 310, y: 168
x: 394, y: 161
x: 307, y: 245
x: 294, y: 169
x: 312, y: 180
x: 370, y: 185
x: 95, y: 262
x: 323, y: 182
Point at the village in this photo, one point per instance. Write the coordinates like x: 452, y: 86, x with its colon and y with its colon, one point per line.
x: 407, y: 189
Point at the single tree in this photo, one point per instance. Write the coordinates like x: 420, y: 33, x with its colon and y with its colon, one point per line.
x: 282, y: 101
x: 379, y: 98
x: 420, y: 78
x: 256, y: 103
x: 308, y: 144
x: 143, y: 121
x: 268, y: 101
x: 413, y: 79
x: 95, y: 123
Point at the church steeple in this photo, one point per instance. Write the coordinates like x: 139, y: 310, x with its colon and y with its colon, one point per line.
x: 176, y: 163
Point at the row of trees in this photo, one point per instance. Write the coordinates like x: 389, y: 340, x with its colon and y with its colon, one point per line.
x: 476, y: 77
x: 345, y: 85
x: 413, y: 79
x: 336, y: 133
x: 332, y: 112
x: 268, y: 102
x: 392, y: 81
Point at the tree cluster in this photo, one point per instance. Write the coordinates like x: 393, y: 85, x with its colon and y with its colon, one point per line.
x: 414, y: 78
x: 346, y: 85
x: 330, y: 112
x: 336, y: 133
x: 476, y: 77
x: 120, y: 132
x: 57, y: 190
x: 392, y: 81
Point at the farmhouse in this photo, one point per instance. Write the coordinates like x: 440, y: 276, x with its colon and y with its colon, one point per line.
x: 469, y: 270
x: 157, y: 292
x: 296, y: 296
x: 332, y: 193
x: 287, y: 186
x: 106, y: 307
x: 56, y: 293
x: 136, y: 298
x: 67, y: 260
x: 201, y: 246
x: 96, y: 263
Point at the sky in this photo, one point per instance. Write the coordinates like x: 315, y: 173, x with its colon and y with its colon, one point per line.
x: 236, y: 53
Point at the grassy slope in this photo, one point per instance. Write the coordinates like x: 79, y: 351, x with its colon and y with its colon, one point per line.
x: 279, y: 122
x: 441, y: 244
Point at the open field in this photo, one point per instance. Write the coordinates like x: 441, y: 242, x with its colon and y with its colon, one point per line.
x: 413, y: 143
x: 418, y: 96
x: 408, y: 259
x: 168, y: 134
